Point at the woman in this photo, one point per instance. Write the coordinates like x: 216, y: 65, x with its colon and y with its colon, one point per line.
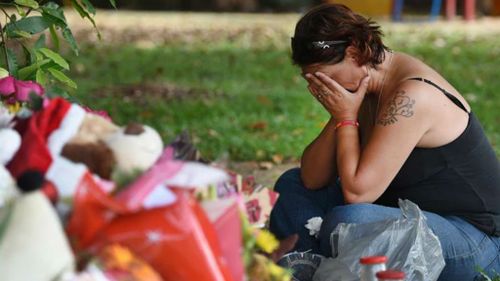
x: 398, y: 129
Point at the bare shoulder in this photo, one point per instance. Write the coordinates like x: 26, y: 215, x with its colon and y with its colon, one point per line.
x: 408, y: 102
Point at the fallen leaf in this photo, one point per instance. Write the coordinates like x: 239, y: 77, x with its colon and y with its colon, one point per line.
x: 264, y: 100
x: 213, y: 133
x: 266, y: 165
x: 259, y: 126
x: 277, y: 158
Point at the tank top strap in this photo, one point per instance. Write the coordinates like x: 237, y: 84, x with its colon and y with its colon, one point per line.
x: 450, y: 96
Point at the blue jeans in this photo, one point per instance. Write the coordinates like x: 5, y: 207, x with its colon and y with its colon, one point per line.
x: 464, y: 246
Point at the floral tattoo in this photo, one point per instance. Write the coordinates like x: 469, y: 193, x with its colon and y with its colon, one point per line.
x: 400, y: 105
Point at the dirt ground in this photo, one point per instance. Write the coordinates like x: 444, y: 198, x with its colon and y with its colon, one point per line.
x: 264, y: 173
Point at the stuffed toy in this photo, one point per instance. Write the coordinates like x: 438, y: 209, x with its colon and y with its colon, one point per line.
x: 108, y: 150
x: 33, y: 245
x: 63, y: 142
x: 9, y: 138
x: 135, y: 147
x: 10, y: 141
x: 8, y: 190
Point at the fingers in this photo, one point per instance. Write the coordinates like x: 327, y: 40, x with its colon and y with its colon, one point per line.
x: 364, y: 86
x: 317, y: 84
x: 315, y: 93
x: 329, y: 82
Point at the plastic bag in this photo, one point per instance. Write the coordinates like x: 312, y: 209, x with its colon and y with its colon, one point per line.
x: 178, y: 240
x: 408, y: 242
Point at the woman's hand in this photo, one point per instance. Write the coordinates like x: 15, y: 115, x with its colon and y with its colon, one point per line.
x: 339, y: 102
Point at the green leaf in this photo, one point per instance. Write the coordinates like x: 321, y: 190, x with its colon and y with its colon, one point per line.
x: 31, y: 25
x: 25, y: 72
x: 84, y: 14
x: 55, y: 91
x: 23, y: 34
x: 20, y: 11
x: 30, y: 56
x: 62, y: 77
x: 12, y: 62
x: 113, y: 3
x: 40, y: 43
x: 54, y: 37
x: 41, y: 77
x: 39, y: 56
x: 58, y: 59
x: 27, y: 3
x: 54, y: 13
x: 89, y: 6
x: 3, y: 72
x: 68, y: 35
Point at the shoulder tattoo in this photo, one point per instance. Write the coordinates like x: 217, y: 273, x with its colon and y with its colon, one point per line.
x: 400, y: 105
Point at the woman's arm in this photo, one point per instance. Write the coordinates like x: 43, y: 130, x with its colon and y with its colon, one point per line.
x: 318, y: 163
x: 403, y: 121
x: 400, y: 126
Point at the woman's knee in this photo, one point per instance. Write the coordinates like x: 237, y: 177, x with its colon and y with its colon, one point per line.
x: 352, y: 213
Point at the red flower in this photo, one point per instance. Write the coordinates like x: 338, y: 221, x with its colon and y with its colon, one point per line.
x: 7, y: 86
x: 21, y: 89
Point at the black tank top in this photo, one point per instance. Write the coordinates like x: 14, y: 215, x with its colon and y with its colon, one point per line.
x: 461, y: 178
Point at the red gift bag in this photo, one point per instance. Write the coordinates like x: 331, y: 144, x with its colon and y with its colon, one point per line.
x: 178, y: 240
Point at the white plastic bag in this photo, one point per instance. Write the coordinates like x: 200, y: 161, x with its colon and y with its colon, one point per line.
x: 408, y: 242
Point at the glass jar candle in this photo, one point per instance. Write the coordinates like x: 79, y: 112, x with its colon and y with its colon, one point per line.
x: 390, y: 275
x: 370, y: 266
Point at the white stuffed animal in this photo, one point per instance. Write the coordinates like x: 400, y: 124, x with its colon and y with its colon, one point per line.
x: 9, y: 138
x: 136, y: 147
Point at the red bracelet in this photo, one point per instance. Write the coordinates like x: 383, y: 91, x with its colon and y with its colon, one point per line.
x: 347, y: 123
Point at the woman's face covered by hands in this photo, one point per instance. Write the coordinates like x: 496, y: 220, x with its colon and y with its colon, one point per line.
x: 348, y: 73
x: 339, y: 87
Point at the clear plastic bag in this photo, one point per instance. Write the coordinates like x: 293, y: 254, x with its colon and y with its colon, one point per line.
x: 408, y: 242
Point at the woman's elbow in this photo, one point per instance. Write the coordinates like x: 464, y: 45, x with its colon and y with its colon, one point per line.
x: 355, y: 199
x: 351, y: 196
x: 311, y: 183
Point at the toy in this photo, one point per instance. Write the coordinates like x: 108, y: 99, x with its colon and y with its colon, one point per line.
x: 107, y: 149
x: 9, y: 138
x: 31, y: 232
x: 63, y: 142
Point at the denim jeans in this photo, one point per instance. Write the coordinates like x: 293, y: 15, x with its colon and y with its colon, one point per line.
x: 464, y: 247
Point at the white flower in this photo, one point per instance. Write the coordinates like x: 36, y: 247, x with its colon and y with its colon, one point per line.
x: 314, y: 225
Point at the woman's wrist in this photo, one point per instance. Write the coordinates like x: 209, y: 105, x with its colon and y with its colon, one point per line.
x: 340, y: 118
x: 345, y: 116
x: 346, y: 122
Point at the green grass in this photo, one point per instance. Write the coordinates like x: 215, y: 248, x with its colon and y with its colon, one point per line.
x: 251, y: 102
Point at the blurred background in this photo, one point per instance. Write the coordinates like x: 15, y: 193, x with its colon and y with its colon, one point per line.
x: 221, y: 69
x: 373, y: 7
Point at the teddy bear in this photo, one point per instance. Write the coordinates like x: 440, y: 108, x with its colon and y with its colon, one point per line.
x: 10, y: 141
x: 116, y: 154
x: 107, y: 149
x: 63, y: 142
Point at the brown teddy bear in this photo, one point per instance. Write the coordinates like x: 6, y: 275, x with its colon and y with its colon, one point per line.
x: 107, y: 149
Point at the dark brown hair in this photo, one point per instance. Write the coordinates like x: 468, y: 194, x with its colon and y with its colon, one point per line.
x: 332, y: 22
